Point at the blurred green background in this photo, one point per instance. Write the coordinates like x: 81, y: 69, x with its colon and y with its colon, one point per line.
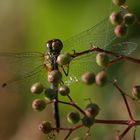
x: 26, y: 26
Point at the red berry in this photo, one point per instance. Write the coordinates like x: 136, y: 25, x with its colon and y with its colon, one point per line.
x: 121, y: 30
x: 116, y: 18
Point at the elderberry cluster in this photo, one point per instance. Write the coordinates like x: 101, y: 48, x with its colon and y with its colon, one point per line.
x: 122, y: 20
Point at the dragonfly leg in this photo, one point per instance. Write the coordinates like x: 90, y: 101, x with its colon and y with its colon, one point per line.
x: 66, y: 72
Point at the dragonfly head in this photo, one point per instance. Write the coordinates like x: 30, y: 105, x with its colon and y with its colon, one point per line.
x: 54, y: 46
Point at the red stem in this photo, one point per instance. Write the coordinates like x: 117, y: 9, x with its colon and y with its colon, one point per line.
x: 119, y: 56
x: 124, y: 98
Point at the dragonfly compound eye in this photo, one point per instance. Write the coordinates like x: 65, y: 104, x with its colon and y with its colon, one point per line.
x: 49, y: 45
x: 57, y: 45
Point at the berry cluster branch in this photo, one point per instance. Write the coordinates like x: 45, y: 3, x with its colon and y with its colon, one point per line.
x: 88, y: 116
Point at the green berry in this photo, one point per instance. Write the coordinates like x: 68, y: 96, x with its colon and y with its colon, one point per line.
x: 129, y: 19
x: 37, y: 88
x: 121, y: 30
x: 64, y: 90
x: 116, y: 18
x: 50, y: 94
x: 88, y: 78
x: 38, y: 104
x: 87, y: 121
x: 92, y: 110
x: 119, y: 2
x: 64, y: 59
x: 102, y: 59
x: 73, y: 117
x: 101, y: 78
x: 54, y: 76
x: 45, y: 127
x: 136, y: 92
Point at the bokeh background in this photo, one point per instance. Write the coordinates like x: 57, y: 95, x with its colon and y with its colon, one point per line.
x: 26, y: 26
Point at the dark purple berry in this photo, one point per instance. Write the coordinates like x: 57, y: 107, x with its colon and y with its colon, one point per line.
x: 129, y: 19
x: 45, y: 127
x: 92, y: 110
x: 63, y: 90
x: 87, y: 121
x: 73, y: 117
x: 50, y: 94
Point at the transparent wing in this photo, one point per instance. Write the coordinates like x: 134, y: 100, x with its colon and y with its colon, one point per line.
x: 99, y: 35
x: 124, y: 48
x: 22, y: 68
x: 87, y: 62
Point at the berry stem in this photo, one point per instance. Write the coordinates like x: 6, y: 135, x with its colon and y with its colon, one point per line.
x: 119, y: 56
x: 87, y: 134
x: 124, y: 98
x: 124, y: 132
x: 72, y: 104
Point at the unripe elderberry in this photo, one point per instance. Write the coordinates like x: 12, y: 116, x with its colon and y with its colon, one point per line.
x: 88, y: 78
x: 38, y: 104
x: 37, y: 88
x: 101, y: 78
x: 64, y: 59
x: 102, y: 59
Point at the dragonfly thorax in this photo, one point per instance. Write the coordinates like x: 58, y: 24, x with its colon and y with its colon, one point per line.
x: 48, y: 61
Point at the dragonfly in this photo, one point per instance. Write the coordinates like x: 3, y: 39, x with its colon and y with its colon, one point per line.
x: 30, y: 66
